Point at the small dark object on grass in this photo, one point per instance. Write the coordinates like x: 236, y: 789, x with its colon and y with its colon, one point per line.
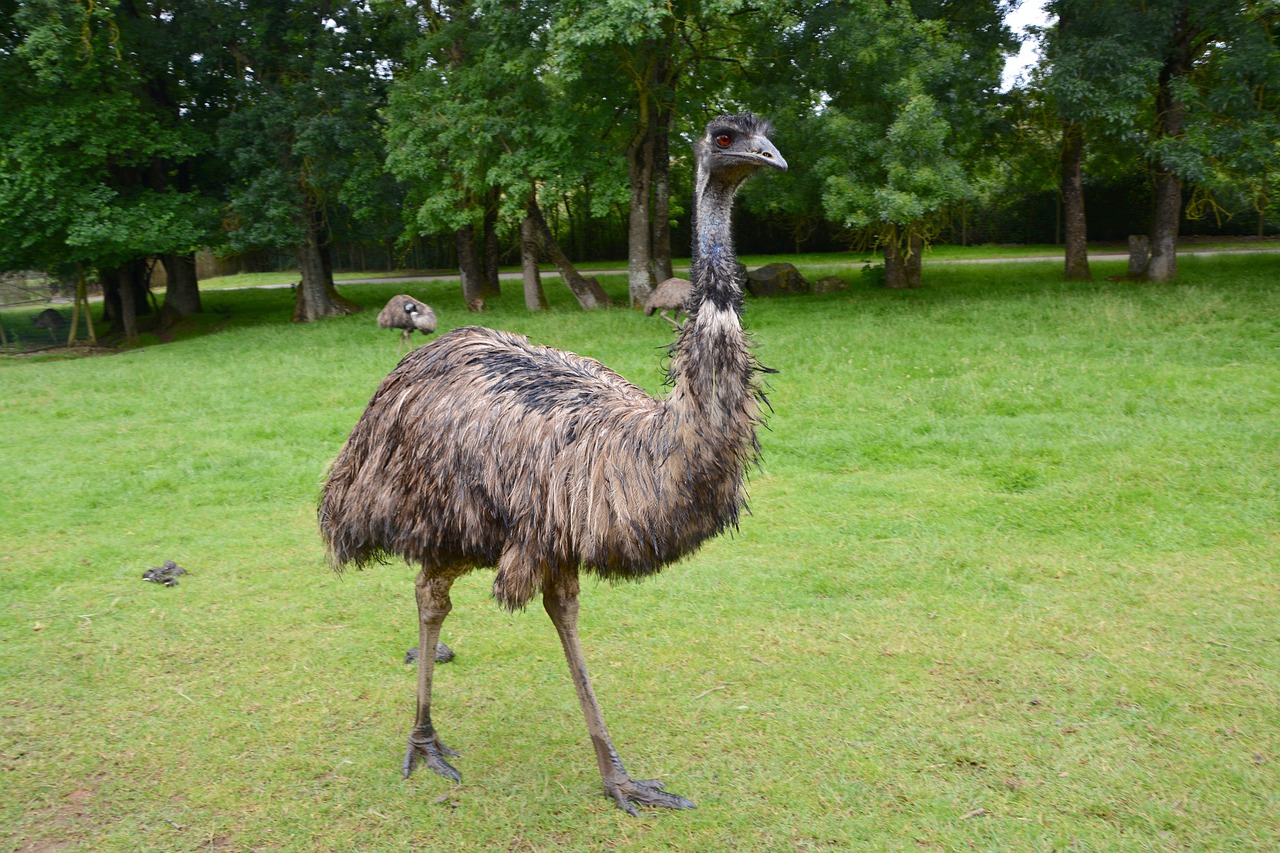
x: 444, y: 654
x: 166, y: 574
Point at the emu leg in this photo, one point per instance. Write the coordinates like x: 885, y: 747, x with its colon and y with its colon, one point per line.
x: 561, y: 602
x: 424, y: 743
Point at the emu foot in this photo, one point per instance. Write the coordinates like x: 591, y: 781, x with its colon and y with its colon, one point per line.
x: 427, y: 748
x: 629, y: 793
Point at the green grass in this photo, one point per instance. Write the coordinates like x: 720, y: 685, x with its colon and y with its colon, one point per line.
x: 1010, y: 583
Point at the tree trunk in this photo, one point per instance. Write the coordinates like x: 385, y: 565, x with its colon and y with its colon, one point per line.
x: 182, y: 293
x: 82, y: 309
x: 902, y: 258
x: 1139, y: 256
x: 1076, y: 239
x: 639, y: 231
x: 1260, y: 205
x: 491, y: 287
x: 587, y: 291
x: 128, y: 301
x: 124, y: 296
x: 534, y: 297
x: 1164, y: 226
x: 470, y: 268
x: 662, y: 198
x: 1170, y: 121
x: 316, y: 296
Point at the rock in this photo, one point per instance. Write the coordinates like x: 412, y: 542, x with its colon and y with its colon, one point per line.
x: 830, y: 284
x: 444, y: 654
x: 776, y: 280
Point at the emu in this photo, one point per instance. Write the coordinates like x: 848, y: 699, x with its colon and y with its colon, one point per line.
x: 671, y: 295
x: 406, y: 313
x: 483, y: 450
x: 52, y: 320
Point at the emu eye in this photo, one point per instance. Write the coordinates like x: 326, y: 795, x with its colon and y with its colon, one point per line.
x: 724, y: 140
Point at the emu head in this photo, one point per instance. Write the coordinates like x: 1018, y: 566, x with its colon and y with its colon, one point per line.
x: 735, y: 147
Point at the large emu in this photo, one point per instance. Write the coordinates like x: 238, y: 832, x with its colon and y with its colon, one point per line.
x: 482, y: 449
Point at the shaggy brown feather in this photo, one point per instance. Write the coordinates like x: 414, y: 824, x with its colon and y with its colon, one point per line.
x: 482, y: 449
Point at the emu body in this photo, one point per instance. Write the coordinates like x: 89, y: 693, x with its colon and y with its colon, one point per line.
x: 482, y: 449
x: 407, y: 314
x: 671, y: 295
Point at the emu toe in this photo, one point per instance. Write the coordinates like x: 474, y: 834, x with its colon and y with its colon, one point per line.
x: 428, y: 749
x: 630, y: 793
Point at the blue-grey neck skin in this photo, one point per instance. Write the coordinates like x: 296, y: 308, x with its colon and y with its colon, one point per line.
x: 714, y: 270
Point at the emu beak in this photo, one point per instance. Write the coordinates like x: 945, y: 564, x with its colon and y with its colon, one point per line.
x: 768, y: 154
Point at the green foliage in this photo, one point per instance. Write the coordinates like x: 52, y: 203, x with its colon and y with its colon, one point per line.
x: 918, y: 176
x: 479, y: 117
x: 1103, y: 66
x: 1008, y: 584
x: 129, y: 129
x: 100, y: 163
x: 306, y: 130
x: 906, y: 141
x: 497, y: 104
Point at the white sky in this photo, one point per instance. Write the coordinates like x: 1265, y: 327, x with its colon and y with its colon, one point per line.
x: 1029, y: 12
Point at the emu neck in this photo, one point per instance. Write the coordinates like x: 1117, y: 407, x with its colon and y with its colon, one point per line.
x: 715, y: 264
x: 715, y: 395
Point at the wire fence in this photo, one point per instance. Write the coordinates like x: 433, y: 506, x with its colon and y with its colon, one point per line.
x: 36, y: 313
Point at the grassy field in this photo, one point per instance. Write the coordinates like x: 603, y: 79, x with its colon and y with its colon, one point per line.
x: 1010, y: 583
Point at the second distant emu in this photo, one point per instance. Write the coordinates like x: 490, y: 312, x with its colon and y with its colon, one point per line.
x: 483, y: 450
x: 671, y: 295
x: 406, y: 313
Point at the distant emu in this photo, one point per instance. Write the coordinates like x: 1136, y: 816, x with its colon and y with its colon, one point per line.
x: 671, y: 295
x: 406, y: 313
x: 483, y: 450
x: 52, y: 320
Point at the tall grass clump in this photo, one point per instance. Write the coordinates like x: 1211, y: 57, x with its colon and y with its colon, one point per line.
x: 1009, y: 583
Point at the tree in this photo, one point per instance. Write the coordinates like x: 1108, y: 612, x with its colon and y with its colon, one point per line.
x: 660, y: 68
x: 1242, y: 130
x: 1184, y: 84
x: 1215, y: 107
x: 907, y: 94
x: 304, y: 135
x: 1090, y: 82
x: 106, y: 114
x: 478, y: 128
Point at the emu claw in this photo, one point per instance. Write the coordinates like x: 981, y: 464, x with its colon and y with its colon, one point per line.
x: 430, y: 750
x: 630, y: 793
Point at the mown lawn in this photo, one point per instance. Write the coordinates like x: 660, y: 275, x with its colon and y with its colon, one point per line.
x: 1010, y: 582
